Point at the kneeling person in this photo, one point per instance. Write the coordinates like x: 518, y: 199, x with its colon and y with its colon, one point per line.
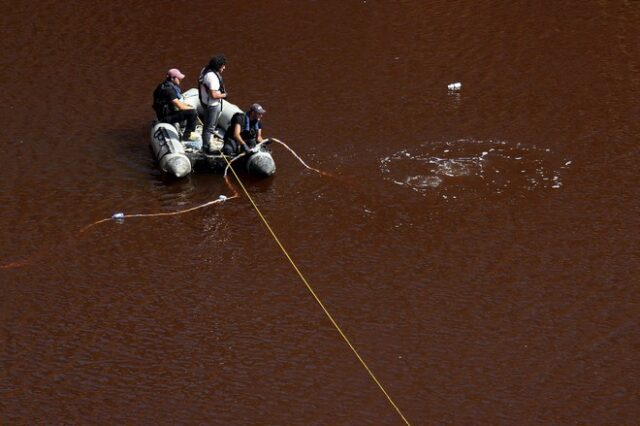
x: 244, y: 132
x: 169, y: 106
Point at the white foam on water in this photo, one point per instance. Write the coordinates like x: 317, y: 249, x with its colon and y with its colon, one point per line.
x: 451, y: 169
x: 420, y: 182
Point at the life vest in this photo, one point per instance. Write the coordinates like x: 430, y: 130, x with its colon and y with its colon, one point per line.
x: 248, y: 131
x: 202, y: 86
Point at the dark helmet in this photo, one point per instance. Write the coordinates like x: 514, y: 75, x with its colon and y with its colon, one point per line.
x: 217, y: 62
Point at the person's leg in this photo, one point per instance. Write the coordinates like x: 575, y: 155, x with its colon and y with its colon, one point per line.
x: 190, y: 138
x: 188, y: 115
x: 171, y: 118
x: 210, y: 121
x: 229, y: 148
x: 191, y: 116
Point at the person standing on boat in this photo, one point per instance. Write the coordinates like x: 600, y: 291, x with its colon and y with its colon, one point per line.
x: 212, y: 92
x: 244, y: 131
x: 169, y: 105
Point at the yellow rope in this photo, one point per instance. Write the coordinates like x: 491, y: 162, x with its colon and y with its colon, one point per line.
x: 313, y: 293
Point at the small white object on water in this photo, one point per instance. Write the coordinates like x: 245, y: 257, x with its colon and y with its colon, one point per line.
x: 222, y: 197
x: 454, y: 86
x: 118, y: 216
x: 567, y: 163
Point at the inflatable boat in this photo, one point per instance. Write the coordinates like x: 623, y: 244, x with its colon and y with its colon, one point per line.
x: 179, y: 158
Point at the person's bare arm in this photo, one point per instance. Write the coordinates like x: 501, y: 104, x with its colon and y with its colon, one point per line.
x: 216, y: 94
x: 236, y: 134
x: 181, y: 105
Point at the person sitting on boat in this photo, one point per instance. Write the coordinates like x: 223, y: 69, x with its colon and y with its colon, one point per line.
x: 244, y: 131
x: 169, y: 105
x: 212, y: 92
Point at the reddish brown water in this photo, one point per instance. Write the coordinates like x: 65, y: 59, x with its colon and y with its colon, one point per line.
x: 479, y: 248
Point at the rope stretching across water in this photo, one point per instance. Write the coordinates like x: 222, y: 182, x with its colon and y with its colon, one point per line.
x: 300, y: 159
x: 306, y: 283
x: 126, y: 216
x: 222, y: 198
x: 121, y: 216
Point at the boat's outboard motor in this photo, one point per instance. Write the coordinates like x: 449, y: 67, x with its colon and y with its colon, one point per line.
x: 261, y: 164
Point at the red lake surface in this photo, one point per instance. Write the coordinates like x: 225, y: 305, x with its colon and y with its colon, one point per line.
x: 478, y: 247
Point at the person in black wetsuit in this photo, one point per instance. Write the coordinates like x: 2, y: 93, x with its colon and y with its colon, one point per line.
x: 170, y: 107
x: 244, y: 131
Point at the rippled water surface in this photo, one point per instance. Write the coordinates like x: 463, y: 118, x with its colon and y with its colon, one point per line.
x: 478, y: 247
